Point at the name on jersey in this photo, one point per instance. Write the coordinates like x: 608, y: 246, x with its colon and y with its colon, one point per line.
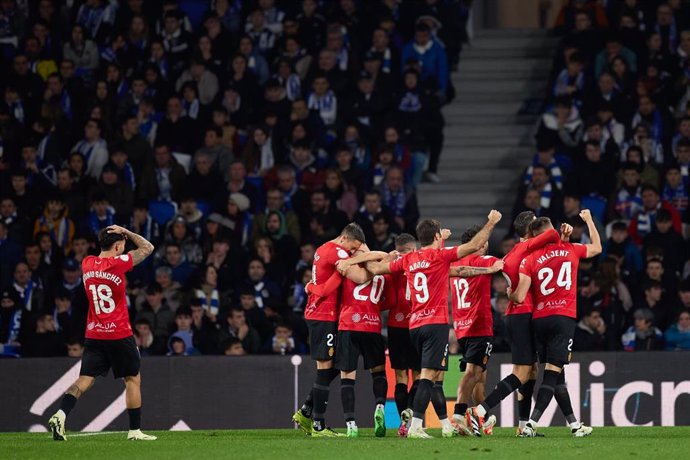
x: 419, y: 265
x: 552, y: 254
x: 425, y: 313
x: 102, y: 275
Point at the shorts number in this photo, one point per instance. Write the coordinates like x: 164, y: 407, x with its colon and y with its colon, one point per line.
x: 329, y: 340
x: 420, y: 285
x: 489, y: 348
x: 462, y: 287
x: 377, y: 284
x: 570, y: 345
x: 563, y: 280
x: 102, y: 297
x: 445, y: 352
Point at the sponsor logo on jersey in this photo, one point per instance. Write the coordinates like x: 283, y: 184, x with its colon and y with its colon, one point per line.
x: 102, y: 327
x: 464, y: 324
x: 356, y: 318
x: 124, y: 257
x: 540, y: 306
x: 425, y: 313
x: 399, y: 316
x: 342, y: 253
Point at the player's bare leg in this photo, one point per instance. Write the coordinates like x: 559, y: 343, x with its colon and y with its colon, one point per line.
x: 133, y: 401
x: 476, y: 415
x: 69, y: 400
x: 347, y: 396
x: 325, y: 374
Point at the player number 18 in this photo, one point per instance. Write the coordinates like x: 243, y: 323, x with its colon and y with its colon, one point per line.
x: 102, y: 297
x: 564, y: 278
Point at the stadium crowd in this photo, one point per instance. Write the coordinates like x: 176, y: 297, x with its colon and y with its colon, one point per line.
x: 237, y: 136
x: 615, y: 138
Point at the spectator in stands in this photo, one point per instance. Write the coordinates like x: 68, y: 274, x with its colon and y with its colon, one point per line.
x: 678, y: 335
x: 172, y: 290
x: 233, y: 347
x: 148, y: 344
x: 400, y: 200
x: 622, y: 248
x: 642, y: 224
x: 593, y: 173
x: 664, y: 237
x: 45, y: 341
x: 642, y: 335
x: 589, y: 333
x: 564, y: 126
x: 157, y: 312
x: 283, y: 342
x: 164, y: 179
x: 238, y: 328
x: 174, y: 257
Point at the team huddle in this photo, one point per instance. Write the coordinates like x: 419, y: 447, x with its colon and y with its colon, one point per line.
x: 351, y: 286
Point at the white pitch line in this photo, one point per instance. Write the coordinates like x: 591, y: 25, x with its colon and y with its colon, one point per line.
x: 95, y: 433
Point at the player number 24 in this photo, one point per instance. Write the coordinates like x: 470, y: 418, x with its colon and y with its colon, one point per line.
x: 564, y: 278
x: 102, y: 297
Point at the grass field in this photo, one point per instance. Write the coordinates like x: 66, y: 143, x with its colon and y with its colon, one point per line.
x: 605, y: 443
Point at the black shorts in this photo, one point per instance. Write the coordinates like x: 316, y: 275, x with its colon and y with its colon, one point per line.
x: 554, y: 339
x: 431, y: 343
x: 100, y: 356
x: 353, y: 344
x: 475, y: 350
x: 521, y: 339
x: 322, y: 339
x: 401, y: 352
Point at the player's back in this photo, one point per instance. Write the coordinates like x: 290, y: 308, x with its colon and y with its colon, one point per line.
x: 324, y: 308
x: 427, y: 273
x: 471, y: 299
x: 361, y: 304
x: 553, y: 270
x: 106, y: 285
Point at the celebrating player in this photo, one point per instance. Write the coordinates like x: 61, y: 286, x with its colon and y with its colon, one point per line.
x: 473, y: 324
x: 109, y: 340
x: 401, y: 352
x: 321, y: 315
x: 359, y: 333
x: 519, y: 321
x: 549, y: 272
x: 427, y: 272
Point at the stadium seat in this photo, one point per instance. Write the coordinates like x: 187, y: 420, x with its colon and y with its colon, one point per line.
x: 162, y: 211
x: 597, y: 205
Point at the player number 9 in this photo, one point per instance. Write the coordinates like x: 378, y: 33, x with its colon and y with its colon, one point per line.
x: 420, y: 285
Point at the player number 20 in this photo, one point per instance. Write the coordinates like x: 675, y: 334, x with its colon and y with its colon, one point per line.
x: 420, y: 285
x: 564, y: 278
x: 377, y: 284
x: 102, y: 297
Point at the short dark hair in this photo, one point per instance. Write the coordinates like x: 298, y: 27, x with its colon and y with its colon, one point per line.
x: 106, y: 240
x: 646, y: 188
x: 663, y: 215
x: 231, y: 342
x: 655, y: 260
x: 650, y: 284
x: 426, y: 230
x: 469, y: 234
x: 354, y: 232
x: 537, y: 225
x: 522, y: 222
x: 404, y: 239
x: 183, y: 311
x: 619, y: 226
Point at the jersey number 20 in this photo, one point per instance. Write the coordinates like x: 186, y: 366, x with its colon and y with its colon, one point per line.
x: 102, y: 297
x: 564, y: 278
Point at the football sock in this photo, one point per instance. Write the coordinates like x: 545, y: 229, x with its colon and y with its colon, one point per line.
x: 134, y: 418
x: 324, y: 377
x: 563, y: 399
x: 67, y: 404
x: 308, y: 405
x: 460, y: 409
x: 422, y: 398
x: 347, y: 395
x: 503, y: 389
x: 411, y: 395
x: 401, y: 396
x: 525, y: 404
x: 545, y: 394
x: 438, y: 399
x: 380, y: 386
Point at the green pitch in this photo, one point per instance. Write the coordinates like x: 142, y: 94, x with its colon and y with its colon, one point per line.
x: 605, y: 443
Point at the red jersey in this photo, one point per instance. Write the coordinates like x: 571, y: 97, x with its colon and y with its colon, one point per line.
x: 472, y: 315
x: 553, y: 270
x: 320, y: 308
x: 427, y: 277
x: 399, y: 305
x: 511, y: 269
x: 105, y: 284
x: 361, y: 304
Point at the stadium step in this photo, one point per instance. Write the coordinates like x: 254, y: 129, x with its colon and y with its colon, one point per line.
x: 487, y: 144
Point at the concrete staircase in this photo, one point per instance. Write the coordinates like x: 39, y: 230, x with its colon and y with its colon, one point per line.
x: 487, y: 144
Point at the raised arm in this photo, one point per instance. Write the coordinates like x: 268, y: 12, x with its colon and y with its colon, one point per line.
x: 144, y: 247
x: 468, y: 272
x: 325, y: 289
x: 594, y: 248
x: 476, y: 243
x: 566, y: 231
x: 548, y: 237
x: 518, y: 296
